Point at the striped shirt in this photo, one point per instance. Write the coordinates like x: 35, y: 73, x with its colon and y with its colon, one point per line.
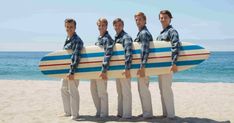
x: 126, y: 41
x: 75, y: 44
x: 144, y: 37
x: 170, y: 34
x: 106, y: 42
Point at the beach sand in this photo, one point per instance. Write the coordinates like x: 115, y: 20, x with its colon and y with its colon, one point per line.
x: 35, y: 101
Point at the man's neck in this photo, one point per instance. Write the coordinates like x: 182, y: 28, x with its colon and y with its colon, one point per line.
x: 118, y: 33
x: 140, y: 28
x: 164, y: 27
x: 69, y: 36
x: 102, y: 34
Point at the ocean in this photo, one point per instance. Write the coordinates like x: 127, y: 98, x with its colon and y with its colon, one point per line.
x: 24, y: 66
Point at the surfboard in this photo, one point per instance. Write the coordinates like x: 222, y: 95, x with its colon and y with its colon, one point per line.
x: 57, y: 63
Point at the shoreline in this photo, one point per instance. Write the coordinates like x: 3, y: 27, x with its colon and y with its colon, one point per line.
x: 134, y: 81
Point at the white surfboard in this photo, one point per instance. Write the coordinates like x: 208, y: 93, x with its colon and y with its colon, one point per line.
x: 57, y: 64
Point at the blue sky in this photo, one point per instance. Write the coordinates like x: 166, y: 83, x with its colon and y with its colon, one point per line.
x: 39, y: 25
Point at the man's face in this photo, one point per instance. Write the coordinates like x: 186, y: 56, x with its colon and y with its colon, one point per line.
x: 70, y: 28
x: 118, y: 26
x: 165, y: 20
x: 102, y: 27
x: 140, y: 22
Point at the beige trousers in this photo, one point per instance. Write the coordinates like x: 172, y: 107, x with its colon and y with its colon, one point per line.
x: 145, y: 96
x: 165, y: 82
x: 124, y: 97
x: 70, y: 97
x: 100, y: 96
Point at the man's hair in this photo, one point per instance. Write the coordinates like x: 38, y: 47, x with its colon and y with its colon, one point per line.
x: 70, y: 20
x: 102, y: 20
x: 118, y: 20
x: 167, y: 12
x: 140, y: 14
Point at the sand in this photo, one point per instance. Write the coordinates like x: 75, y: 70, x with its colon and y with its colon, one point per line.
x: 36, y: 101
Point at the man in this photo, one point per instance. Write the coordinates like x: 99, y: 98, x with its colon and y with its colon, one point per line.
x: 99, y: 86
x: 123, y: 85
x: 69, y: 90
x: 144, y: 38
x: 168, y: 34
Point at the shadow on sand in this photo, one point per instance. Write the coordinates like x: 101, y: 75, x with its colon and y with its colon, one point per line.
x: 155, y: 119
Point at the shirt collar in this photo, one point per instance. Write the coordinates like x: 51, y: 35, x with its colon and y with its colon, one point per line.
x: 168, y: 27
x: 74, y: 35
x: 103, y: 35
x: 143, y: 28
x: 120, y: 34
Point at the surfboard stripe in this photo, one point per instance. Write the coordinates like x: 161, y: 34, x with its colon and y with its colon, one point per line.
x: 122, y: 60
x: 120, y: 63
x: 100, y: 54
x: 118, y: 67
x: 122, y: 57
x: 121, y: 67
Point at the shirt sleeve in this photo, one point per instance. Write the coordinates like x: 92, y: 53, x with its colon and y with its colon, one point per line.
x: 107, y: 54
x: 128, y: 52
x: 78, y: 45
x: 145, y: 48
x: 175, y: 42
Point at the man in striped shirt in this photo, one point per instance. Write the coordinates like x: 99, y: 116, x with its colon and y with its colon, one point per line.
x: 124, y: 84
x: 144, y: 38
x: 99, y: 86
x: 69, y: 90
x: 168, y: 34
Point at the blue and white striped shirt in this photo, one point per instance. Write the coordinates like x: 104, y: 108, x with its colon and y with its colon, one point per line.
x: 170, y: 34
x: 75, y: 44
x: 106, y: 42
x: 144, y: 37
x: 126, y: 41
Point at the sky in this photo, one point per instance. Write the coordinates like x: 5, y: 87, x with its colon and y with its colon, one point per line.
x: 38, y: 25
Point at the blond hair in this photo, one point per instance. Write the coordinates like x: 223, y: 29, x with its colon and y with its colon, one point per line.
x: 140, y: 14
x: 102, y: 20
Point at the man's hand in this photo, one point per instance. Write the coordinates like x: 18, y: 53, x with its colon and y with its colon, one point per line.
x: 127, y: 74
x: 103, y: 76
x: 174, y: 68
x: 70, y: 76
x: 141, y: 72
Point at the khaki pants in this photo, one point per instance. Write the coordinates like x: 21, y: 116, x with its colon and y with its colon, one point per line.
x: 100, y: 96
x: 70, y: 97
x: 145, y: 96
x: 124, y: 97
x: 165, y: 82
